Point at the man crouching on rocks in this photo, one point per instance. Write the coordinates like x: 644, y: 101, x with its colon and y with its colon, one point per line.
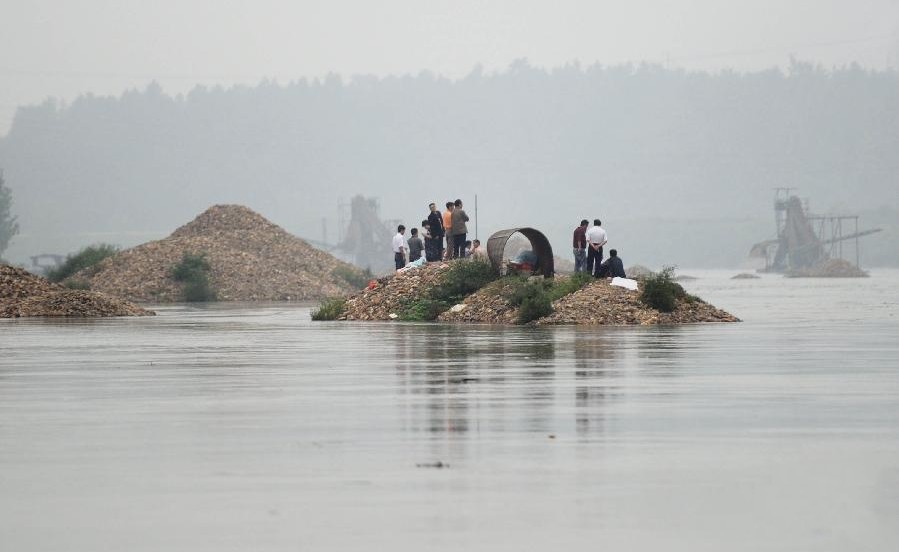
x: 399, y: 247
x: 613, y: 267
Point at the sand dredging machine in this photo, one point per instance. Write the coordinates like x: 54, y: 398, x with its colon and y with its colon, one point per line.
x: 808, y: 242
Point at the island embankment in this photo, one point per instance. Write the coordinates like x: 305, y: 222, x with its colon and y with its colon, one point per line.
x: 23, y: 294
x: 433, y: 293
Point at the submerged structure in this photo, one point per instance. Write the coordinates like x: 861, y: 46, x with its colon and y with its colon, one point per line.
x: 805, y: 240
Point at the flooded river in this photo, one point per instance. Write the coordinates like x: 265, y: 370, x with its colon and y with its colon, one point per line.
x: 248, y: 427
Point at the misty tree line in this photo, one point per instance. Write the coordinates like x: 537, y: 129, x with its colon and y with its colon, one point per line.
x: 543, y: 147
x: 8, y: 225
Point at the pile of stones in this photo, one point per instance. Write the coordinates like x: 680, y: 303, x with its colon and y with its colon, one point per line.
x: 250, y: 258
x: 487, y: 305
x: 24, y: 294
x: 601, y: 303
x: 385, y: 298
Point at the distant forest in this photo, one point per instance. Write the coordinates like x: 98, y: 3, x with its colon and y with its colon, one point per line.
x: 680, y: 165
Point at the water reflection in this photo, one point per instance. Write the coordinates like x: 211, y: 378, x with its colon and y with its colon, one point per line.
x: 469, y: 378
x: 595, y: 373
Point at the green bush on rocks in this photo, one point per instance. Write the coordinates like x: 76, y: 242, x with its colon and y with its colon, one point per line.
x: 662, y: 293
x: 193, y: 272
x: 88, y: 257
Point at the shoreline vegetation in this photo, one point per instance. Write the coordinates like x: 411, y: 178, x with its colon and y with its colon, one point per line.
x: 471, y: 291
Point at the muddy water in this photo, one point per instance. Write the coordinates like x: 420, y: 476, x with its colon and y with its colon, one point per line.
x: 251, y: 428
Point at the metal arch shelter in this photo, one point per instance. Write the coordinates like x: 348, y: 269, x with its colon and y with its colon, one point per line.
x: 496, y: 245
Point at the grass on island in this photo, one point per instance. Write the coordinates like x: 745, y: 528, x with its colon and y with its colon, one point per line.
x: 329, y: 309
x: 662, y: 293
x: 458, y: 281
x: 534, y: 298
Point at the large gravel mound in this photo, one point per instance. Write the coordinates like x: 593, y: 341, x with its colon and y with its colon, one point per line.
x: 24, y: 294
x: 250, y: 258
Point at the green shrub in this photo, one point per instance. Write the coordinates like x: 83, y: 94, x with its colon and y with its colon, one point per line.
x: 517, y: 288
x: 661, y: 292
x: 193, y: 272
x: 353, y: 276
x: 88, y: 257
x: 463, y: 278
x: 330, y: 309
x: 562, y: 287
x: 423, y: 310
x: 534, y: 303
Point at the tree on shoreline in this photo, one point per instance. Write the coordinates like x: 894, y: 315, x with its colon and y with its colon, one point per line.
x: 8, y: 225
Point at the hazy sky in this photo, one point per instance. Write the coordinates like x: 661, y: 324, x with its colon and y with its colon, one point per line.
x: 63, y: 48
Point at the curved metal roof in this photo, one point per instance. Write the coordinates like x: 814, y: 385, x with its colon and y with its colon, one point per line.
x: 496, y: 245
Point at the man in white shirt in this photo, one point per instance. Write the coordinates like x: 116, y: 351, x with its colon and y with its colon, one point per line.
x: 596, y: 238
x: 399, y: 247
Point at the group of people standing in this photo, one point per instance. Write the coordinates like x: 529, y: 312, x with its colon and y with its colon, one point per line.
x: 588, y: 243
x: 442, y: 237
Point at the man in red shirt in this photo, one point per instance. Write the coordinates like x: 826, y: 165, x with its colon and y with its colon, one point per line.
x: 580, y: 246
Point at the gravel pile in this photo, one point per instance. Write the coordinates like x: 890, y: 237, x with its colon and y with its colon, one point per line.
x: 599, y: 303
x: 24, y: 294
x: 603, y: 304
x: 833, y: 268
x: 487, y: 305
x: 250, y: 258
x: 390, y: 293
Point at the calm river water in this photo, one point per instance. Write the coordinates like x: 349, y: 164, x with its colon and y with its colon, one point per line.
x: 239, y: 428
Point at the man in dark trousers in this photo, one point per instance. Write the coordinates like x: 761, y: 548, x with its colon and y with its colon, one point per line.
x: 459, y: 218
x: 596, y: 238
x: 415, y: 246
x: 580, y: 246
x: 435, y: 223
x: 613, y: 267
x: 399, y: 247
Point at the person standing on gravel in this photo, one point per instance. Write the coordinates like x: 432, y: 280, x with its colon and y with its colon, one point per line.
x: 429, y: 240
x: 415, y: 246
x: 596, y: 238
x: 399, y: 247
x: 435, y: 222
x: 448, y: 228
x: 580, y: 246
x: 460, y: 229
